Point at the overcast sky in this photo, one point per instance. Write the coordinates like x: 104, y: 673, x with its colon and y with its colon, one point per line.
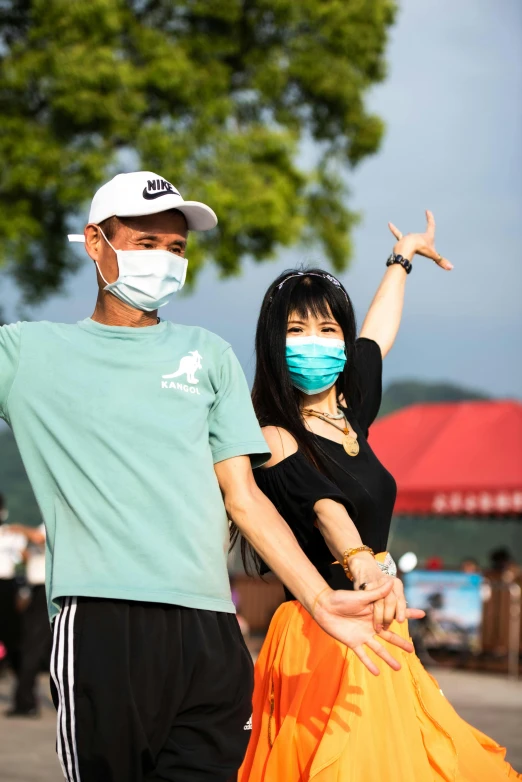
x: 453, y: 108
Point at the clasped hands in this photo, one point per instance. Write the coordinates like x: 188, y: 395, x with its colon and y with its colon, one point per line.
x: 369, y: 613
x: 365, y: 570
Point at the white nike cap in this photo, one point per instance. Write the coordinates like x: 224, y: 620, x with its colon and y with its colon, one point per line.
x: 145, y: 193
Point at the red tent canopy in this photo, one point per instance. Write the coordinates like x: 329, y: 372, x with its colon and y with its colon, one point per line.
x: 454, y: 457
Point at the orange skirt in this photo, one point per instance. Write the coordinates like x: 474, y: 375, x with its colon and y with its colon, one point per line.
x: 320, y: 714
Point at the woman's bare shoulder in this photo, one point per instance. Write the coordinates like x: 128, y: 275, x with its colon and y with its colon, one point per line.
x: 281, y: 443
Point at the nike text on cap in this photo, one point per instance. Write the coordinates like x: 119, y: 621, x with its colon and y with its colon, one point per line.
x: 145, y: 193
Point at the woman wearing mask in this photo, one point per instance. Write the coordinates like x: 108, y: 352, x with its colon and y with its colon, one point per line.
x: 318, y: 711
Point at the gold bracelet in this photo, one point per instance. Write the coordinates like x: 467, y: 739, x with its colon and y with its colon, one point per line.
x: 312, y: 612
x: 350, y: 553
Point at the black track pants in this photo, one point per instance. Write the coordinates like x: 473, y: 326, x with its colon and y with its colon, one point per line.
x: 148, y: 691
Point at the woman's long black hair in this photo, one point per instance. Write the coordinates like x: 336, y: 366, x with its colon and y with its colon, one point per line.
x: 300, y: 292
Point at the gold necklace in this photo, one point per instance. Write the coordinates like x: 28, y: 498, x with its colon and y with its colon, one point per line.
x: 349, y: 443
x: 335, y: 417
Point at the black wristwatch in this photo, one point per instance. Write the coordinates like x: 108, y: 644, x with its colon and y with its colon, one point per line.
x: 404, y: 262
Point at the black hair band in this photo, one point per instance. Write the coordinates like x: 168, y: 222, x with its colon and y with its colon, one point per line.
x: 324, y: 275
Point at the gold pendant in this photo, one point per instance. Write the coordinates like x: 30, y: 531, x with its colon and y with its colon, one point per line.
x: 350, y: 445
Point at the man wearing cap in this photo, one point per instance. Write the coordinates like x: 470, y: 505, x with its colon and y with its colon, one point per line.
x: 139, y: 438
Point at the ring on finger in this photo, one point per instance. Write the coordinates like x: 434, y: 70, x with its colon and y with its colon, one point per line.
x: 363, y: 586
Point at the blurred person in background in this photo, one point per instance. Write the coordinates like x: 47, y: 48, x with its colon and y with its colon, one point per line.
x: 470, y: 565
x: 502, y: 565
x: 36, y: 639
x: 12, y: 545
x: 318, y: 712
x: 138, y: 436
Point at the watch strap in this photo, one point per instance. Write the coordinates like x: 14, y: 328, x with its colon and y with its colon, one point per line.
x: 404, y: 262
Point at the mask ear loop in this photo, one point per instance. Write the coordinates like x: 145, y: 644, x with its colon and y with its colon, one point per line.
x: 116, y: 253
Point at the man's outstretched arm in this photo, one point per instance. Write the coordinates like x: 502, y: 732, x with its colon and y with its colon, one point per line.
x: 345, y: 615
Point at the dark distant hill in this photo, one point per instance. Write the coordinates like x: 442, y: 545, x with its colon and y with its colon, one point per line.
x: 22, y: 504
x: 402, y: 393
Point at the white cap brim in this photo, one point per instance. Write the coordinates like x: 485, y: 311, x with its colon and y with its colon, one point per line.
x: 199, y: 217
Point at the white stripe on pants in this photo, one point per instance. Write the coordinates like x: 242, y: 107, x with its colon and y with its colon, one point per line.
x: 62, y: 672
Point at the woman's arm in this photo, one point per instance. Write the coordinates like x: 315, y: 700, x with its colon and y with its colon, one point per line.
x: 340, y: 535
x: 384, y: 316
x: 347, y: 616
x: 339, y: 532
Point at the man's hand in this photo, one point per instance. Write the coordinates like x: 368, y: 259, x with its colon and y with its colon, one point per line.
x: 348, y: 617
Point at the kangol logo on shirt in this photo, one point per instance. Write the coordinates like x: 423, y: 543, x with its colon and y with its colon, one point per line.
x: 188, y: 366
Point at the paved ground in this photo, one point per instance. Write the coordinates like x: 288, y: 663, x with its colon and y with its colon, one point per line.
x: 491, y: 703
x: 27, y: 745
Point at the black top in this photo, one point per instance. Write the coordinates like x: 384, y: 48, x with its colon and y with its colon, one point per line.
x: 360, y: 483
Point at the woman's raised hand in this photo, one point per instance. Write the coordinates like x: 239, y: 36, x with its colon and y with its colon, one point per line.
x: 420, y: 243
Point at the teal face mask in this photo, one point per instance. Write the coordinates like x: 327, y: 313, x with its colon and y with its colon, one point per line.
x: 314, y: 363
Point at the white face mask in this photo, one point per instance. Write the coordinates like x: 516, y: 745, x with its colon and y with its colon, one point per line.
x: 147, y: 279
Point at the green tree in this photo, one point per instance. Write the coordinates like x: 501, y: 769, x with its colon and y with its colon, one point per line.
x: 219, y: 96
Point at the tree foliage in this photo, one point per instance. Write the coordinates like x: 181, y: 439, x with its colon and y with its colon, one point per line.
x: 218, y: 96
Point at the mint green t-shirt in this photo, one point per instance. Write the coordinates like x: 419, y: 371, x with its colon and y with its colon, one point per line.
x: 119, y: 429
